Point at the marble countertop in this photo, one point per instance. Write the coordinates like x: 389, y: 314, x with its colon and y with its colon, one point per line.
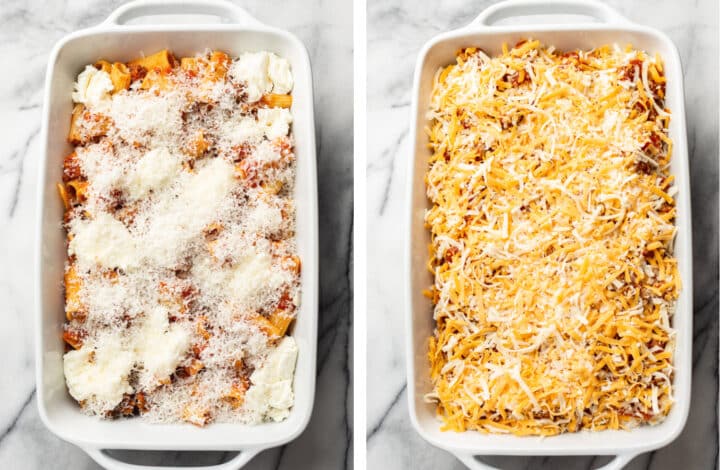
x: 29, y: 30
x: 396, y: 32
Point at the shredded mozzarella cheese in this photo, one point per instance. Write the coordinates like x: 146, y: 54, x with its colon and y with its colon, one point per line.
x: 552, y: 226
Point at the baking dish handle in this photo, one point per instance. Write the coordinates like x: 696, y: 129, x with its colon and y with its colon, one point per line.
x: 511, y: 8
x: 226, y: 11
x: 111, y: 463
x: 618, y: 463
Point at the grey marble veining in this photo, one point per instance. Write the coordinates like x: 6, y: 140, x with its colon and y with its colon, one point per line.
x: 397, y: 29
x: 28, y: 30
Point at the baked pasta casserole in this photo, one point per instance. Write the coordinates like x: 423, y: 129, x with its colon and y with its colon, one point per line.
x: 182, y: 277
x: 552, y: 225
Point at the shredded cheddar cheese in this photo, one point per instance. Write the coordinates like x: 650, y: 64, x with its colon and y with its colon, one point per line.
x: 552, y: 227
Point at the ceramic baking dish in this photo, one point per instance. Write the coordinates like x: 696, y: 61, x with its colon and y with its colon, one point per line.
x: 129, y: 31
x: 607, y: 26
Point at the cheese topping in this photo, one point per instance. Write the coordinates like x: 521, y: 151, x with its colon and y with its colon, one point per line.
x: 275, y: 122
x: 262, y: 73
x: 92, y: 87
x: 182, y: 278
x: 266, y: 153
x: 148, y: 119
x: 99, y: 374
x: 271, y: 393
x: 279, y: 73
x: 156, y: 169
x: 159, y: 347
x: 244, y: 130
x: 103, y: 241
x: 179, y: 215
x: 552, y: 227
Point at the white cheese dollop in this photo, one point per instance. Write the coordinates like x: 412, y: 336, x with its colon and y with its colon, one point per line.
x: 279, y: 72
x: 275, y: 122
x: 99, y: 373
x: 153, y: 171
x: 262, y: 73
x: 103, y: 241
x: 92, y: 87
x: 159, y: 347
x: 251, y: 69
x: 271, y: 392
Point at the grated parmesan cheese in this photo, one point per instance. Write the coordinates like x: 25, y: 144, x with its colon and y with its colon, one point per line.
x: 159, y: 347
x: 155, y: 170
x: 264, y: 218
x: 148, y: 119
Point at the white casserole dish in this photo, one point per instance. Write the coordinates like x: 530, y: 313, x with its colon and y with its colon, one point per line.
x: 115, y: 39
x: 608, y: 27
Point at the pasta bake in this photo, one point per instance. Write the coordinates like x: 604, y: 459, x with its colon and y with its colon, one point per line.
x: 552, y: 223
x: 182, y: 278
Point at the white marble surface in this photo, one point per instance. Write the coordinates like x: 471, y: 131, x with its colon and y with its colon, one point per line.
x: 396, y: 31
x: 28, y: 31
